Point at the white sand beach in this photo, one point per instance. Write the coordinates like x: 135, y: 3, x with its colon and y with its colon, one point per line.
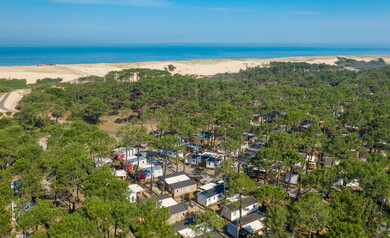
x: 193, y: 67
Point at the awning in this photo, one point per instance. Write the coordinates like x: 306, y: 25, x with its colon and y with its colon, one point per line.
x: 253, y: 226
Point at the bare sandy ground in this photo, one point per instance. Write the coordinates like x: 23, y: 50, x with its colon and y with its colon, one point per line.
x: 9, y: 101
x: 194, y: 67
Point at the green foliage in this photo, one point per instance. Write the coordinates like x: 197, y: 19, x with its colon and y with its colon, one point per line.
x: 102, y: 183
x: 133, y: 135
x: 322, y: 178
x: 276, y: 221
x: 150, y: 220
x: 207, y: 220
x: 309, y: 214
x: 12, y: 137
x: 73, y: 225
x: 94, y: 108
x: 170, y: 67
x: 6, y: 194
x: 90, y: 79
x: 265, y: 159
x: 226, y: 168
x: 5, y: 217
x: 7, y: 85
x: 110, y: 215
x: 240, y: 183
x: 347, y: 114
x: 4, y: 122
x: 372, y: 64
x: 347, y: 230
x: 349, y: 207
x: 271, y: 196
x: 43, y: 212
x: 49, y: 81
x: 5, y: 190
x: 131, y: 74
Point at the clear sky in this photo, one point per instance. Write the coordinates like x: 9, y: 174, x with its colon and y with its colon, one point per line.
x: 357, y: 22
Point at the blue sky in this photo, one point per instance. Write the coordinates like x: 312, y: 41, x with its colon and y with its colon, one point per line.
x: 67, y: 22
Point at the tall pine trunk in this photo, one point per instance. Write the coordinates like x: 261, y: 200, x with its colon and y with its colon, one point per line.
x: 177, y: 161
x: 240, y: 219
x: 151, y: 174
x: 136, y: 170
x: 165, y: 173
x: 289, y: 179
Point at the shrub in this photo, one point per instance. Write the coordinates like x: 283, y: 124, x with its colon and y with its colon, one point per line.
x: 171, y: 67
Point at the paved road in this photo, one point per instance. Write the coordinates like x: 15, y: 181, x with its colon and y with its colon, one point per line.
x: 11, y: 99
x: 2, y: 102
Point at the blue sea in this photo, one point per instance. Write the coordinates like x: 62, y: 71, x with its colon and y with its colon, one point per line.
x: 15, y: 55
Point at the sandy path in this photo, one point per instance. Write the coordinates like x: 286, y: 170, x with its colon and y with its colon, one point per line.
x: 10, y: 100
x: 81, y: 71
x: 43, y: 142
x: 193, y: 67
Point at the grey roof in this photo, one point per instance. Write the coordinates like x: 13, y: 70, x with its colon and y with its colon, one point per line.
x: 173, y: 175
x: 161, y: 197
x: 184, y: 224
x: 194, y: 156
x: 245, y: 202
x: 182, y: 184
x: 213, y: 159
x: 213, y: 191
x: 158, y: 197
x: 177, y: 208
x: 248, y: 219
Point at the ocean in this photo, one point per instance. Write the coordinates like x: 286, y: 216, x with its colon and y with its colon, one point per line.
x: 12, y: 56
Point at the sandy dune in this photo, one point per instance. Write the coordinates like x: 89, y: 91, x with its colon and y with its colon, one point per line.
x: 194, y: 67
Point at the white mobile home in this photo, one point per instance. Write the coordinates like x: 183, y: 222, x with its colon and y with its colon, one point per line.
x: 178, y: 184
x: 213, y: 163
x: 101, y: 161
x: 171, y: 153
x: 193, y: 159
x: 232, y: 212
x: 133, y: 190
x: 251, y: 224
x: 211, y: 196
x: 133, y: 161
x: 294, y: 178
x: 177, y: 210
x: 148, y: 172
x: 122, y: 153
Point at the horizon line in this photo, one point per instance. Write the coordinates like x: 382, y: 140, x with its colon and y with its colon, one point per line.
x: 222, y: 44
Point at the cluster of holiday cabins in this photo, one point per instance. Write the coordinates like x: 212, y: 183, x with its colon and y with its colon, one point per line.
x: 213, y: 193
x: 134, y: 162
x: 179, y: 185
